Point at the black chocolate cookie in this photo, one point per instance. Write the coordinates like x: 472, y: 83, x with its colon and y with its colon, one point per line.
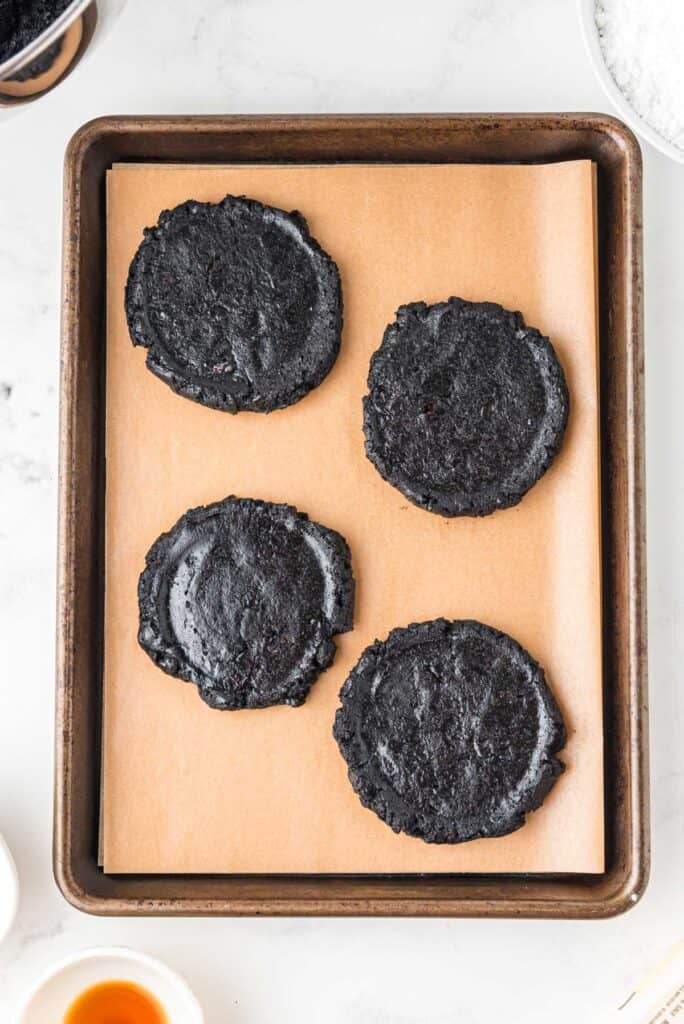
x: 238, y: 306
x: 467, y: 407
x: 449, y: 731
x: 242, y: 598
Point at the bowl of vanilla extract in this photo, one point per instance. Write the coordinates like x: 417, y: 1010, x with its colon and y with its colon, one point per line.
x: 98, y: 986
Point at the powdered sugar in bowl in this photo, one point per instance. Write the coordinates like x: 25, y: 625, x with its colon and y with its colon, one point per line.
x: 636, y: 49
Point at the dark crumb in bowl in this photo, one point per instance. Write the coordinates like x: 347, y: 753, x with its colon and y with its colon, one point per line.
x: 22, y: 21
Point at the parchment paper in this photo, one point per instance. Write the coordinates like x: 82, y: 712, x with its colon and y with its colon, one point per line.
x: 188, y: 789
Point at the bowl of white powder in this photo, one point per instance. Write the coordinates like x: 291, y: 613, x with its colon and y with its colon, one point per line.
x: 637, y: 49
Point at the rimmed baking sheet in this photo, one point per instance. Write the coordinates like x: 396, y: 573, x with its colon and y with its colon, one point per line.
x: 189, y: 790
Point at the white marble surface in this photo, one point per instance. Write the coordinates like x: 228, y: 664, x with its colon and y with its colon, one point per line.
x: 307, y: 55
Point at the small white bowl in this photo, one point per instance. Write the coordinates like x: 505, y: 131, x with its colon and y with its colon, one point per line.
x: 9, y: 890
x: 56, y: 991
x: 612, y: 90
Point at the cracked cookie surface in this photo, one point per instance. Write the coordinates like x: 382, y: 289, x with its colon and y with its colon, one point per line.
x: 243, y: 599
x: 449, y: 731
x: 237, y: 304
x: 466, y: 406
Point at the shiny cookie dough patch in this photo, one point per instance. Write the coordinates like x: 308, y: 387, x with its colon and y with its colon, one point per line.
x: 466, y: 406
x: 243, y: 598
x: 238, y: 306
x: 449, y: 731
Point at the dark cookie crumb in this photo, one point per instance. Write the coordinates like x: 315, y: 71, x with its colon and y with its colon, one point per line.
x: 466, y: 406
x: 243, y: 598
x: 22, y: 21
x: 449, y: 731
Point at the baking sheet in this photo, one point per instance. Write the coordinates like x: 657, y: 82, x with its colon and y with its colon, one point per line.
x: 187, y: 789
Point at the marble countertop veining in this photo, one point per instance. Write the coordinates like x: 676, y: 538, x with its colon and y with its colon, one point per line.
x: 305, y: 56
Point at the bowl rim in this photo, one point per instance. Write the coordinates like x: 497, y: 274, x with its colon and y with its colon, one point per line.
x: 53, y: 32
x: 116, y: 953
x: 13, y: 894
x: 612, y: 90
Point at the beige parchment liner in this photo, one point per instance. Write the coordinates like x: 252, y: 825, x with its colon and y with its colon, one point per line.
x: 188, y: 789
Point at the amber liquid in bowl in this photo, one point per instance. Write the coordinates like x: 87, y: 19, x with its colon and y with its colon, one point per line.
x: 116, y: 1002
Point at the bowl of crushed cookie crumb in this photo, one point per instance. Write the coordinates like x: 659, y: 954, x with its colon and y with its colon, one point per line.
x: 636, y: 51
